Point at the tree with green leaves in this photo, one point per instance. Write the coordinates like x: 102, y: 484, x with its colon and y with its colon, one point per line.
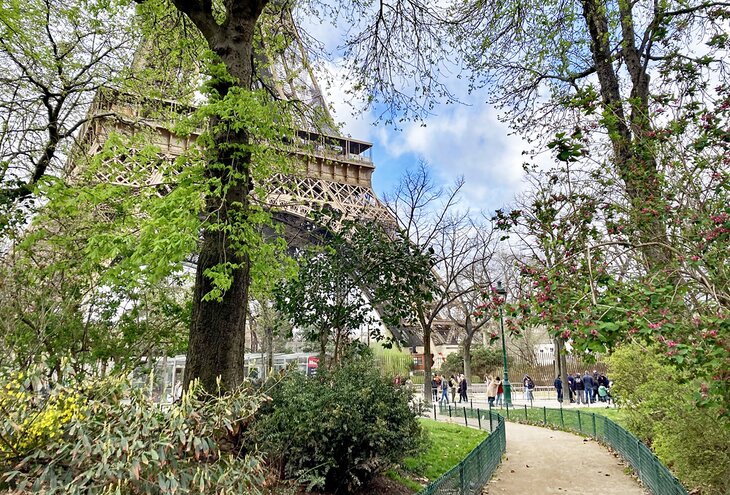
x: 357, y: 276
x: 54, y: 57
x: 637, y: 105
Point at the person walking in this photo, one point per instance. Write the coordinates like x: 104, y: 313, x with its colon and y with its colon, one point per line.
x: 579, y: 397
x: 588, y: 386
x: 491, y: 390
x: 500, y: 391
x: 463, y: 389
x: 529, y: 388
x: 444, y: 390
x: 558, y: 384
x: 453, y: 385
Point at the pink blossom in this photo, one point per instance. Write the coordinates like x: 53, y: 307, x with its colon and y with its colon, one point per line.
x: 671, y: 343
x: 655, y: 326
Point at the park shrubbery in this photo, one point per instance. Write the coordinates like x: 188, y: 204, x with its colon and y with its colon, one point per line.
x: 662, y: 409
x: 106, y: 437
x: 338, y: 430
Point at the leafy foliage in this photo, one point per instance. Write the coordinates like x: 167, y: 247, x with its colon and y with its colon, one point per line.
x: 364, y: 267
x: 659, y: 404
x: 338, y: 430
x: 484, y: 361
x: 107, y: 437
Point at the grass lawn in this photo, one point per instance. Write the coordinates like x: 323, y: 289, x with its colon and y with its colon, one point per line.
x: 448, y: 445
x: 569, y: 419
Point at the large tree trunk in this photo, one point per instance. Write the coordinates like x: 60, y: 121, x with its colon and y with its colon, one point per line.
x: 633, y: 157
x: 426, y: 327
x: 217, y: 332
x: 467, y: 353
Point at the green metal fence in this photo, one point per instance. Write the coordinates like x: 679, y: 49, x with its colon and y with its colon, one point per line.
x: 470, y: 475
x: 651, y: 471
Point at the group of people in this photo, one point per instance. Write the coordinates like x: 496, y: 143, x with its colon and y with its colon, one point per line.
x: 441, y: 386
x: 585, y: 389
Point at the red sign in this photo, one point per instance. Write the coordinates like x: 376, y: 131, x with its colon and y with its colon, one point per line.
x: 312, y: 365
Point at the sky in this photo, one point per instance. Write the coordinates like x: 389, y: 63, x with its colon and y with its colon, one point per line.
x: 457, y: 140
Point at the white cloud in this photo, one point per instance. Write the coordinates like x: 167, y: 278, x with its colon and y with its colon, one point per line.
x: 468, y: 141
x: 460, y: 140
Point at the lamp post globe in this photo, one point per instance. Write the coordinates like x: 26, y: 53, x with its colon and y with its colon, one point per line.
x: 507, y: 387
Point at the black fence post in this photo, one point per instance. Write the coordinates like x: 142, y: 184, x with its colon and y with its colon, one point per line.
x: 594, y: 425
x: 434, y: 412
x: 471, y: 404
x: 544, y: 415
x: 491, y: 428
x: 466, y: 423
x: 479, y: 417
x: 580, y: 424
x: 562, y: 419
x: 450, y: 411
x: 525, y: 412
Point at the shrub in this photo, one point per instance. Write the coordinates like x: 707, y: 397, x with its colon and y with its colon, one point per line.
x: 105, y: 437
x: 338, y: 430
x: 662, y: 411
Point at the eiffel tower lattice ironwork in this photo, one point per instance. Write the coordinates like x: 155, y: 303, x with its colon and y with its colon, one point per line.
x: 330, y: 169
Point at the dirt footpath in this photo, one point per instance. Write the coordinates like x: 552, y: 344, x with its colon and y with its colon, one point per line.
x: 540, y: 461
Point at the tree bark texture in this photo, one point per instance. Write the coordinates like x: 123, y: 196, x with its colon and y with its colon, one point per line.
x: 633, y: 157
x: 218, y: 328
x: 467, y: 353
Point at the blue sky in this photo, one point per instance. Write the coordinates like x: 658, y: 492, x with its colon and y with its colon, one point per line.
x: 458, y: 140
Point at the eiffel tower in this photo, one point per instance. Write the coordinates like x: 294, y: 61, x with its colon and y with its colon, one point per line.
x: 332, y: 170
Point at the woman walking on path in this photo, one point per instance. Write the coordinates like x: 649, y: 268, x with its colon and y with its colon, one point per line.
x: 462, y: 388
x: 500, y: 392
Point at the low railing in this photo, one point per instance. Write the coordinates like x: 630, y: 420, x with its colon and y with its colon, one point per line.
x: 471, y: 474
x: 655, y: 475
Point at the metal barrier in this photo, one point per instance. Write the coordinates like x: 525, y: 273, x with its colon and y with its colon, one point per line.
x: 655, y: 475
x: 470, y: 475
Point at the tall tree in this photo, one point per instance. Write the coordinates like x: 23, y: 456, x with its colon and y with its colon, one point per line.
x: 426, y: 213
x: 54, y: 57
x: 606, y: 65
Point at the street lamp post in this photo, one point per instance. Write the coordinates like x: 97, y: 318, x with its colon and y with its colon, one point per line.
x: 507, y: 387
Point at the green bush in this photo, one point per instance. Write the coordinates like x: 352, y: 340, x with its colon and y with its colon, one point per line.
x: 484, y: 361
x: 105, y: 437
x: 661, y: 409
x: 338, y: 430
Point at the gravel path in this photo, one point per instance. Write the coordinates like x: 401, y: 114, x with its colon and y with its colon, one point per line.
x: 540, y: 461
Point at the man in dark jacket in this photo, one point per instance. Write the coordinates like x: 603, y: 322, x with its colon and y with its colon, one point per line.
x: 588, y: 386
x: 559, y: 387
x: 578, y: 388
